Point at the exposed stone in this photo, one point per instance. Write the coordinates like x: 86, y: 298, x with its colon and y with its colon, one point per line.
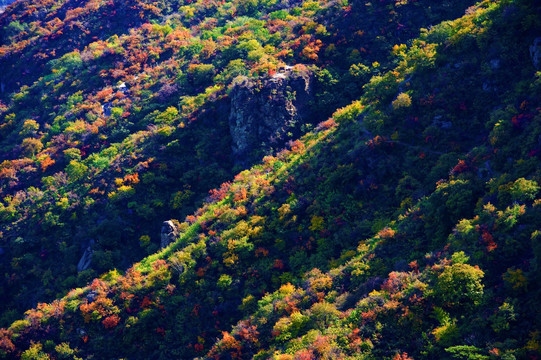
x: 264, y: 111
x: 535, y: 53
x: 91, y: 296
x: 446, y: 124
x: 123, y: 88
x: 485, y: 171
x: 169, y: 233
x: 86, y: 259
x: 495, y: 64
x: 177, y: 265
x: 439, y: 122
x: 106, y: 108
x: 488, y: 86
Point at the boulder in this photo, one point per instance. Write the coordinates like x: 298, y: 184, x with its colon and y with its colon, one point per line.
x: 86, y: 259
x: 169, y: 233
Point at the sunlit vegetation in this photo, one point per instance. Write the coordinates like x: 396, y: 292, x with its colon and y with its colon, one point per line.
x: 403, y: 223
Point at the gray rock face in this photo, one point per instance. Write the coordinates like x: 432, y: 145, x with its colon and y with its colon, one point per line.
x: 263, y: 111
x: 86, y: 259
x: 106, y: 108
x: 535, y: 53
x: 169, y: 233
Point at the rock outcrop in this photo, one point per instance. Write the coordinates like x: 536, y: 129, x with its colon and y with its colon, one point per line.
x: 264, y: 111
x: 169, y: 233
x: 535, y: 53
x: 86, y: 260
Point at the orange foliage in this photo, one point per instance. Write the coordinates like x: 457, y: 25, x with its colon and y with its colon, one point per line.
x: 386, y: 233
x: 460, y: 167
x: 103, y: 94
x: 304, y: 355
x: 146, y: 302
x: 488, y: 239
x: 111, y: 321
x: 241, y: 195
x: 403, y: 356
x: 8, y: 173
x: 159, y: 263
x: 376, y: 141
x: 310, y: 51
x: 369, y: 315
x: 195, y: 310
x: 297, y: 146
x: 322, y: 345
x: 5, y: 341
x: 230, y: 343
x: 278, y: 264
x: 200, y: 272
x: 248, y: 332
x: 395, y: 282
x: 45, y: 163
x: 100, y: 285
x: 414, y: 266
x: 219, y: 194
x: 261, y: 252
x: 327, y: 124
x: 191, y: 219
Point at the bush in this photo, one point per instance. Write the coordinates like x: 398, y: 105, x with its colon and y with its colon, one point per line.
x: 403, y: 100
x: 459, y: 286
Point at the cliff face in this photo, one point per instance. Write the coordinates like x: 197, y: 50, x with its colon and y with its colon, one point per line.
x: 4, y: 4
x: 264, y: 112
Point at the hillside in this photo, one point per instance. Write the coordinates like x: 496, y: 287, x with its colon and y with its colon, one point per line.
x: 402, y: 221
x: 116, y: 126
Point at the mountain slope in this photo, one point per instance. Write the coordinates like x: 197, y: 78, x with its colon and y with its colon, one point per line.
x: 112, y: 124
x: 416, y: 207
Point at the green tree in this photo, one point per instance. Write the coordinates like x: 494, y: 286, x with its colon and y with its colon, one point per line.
x: 76, y: 170
x: 168, y: 116
x: 35, y: 353
x: 225, y: 281
x: 201, y: 73
x: 403, y: 100
x: 466, y: 352
x: 30, y: 128
x: 459, y: 286
x: 524, y: 190
x: 502, y: 318
x: 247, y: 7
x: 31, y: 146
x: 72, y: 154
x: 15, y: 27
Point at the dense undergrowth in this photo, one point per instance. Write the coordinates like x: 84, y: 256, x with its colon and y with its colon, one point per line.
x: 119, y: 119
x: 407, y: 225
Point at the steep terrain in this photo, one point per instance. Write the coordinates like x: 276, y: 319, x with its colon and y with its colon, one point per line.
x: 405, y: 226
x: 119, y: 122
